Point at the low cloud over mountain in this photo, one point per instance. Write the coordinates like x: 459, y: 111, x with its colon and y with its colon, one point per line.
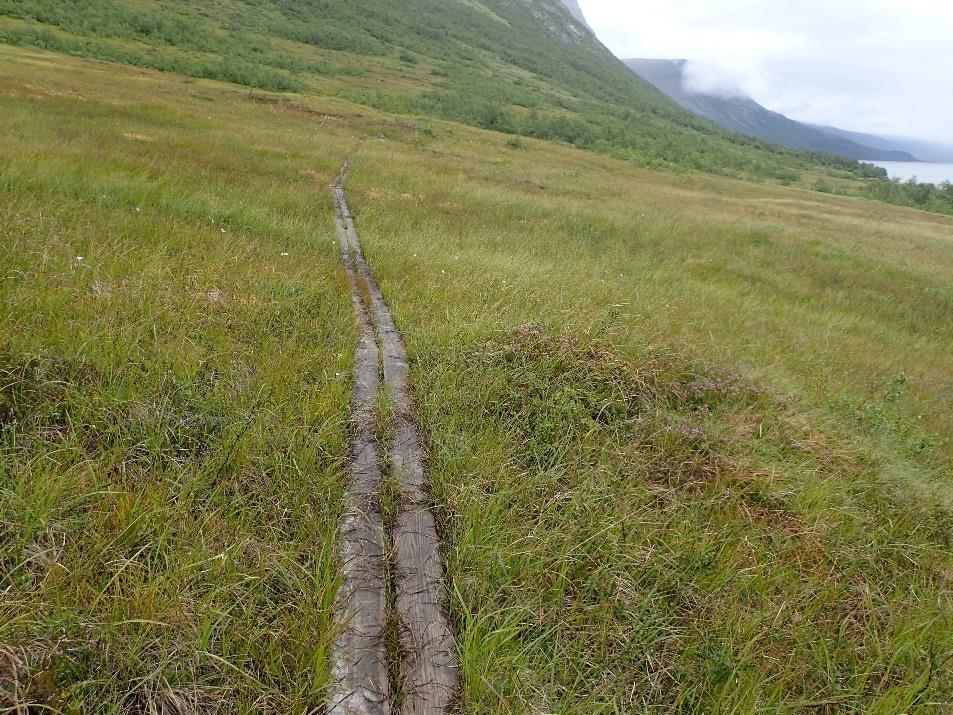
x: 708, y: 92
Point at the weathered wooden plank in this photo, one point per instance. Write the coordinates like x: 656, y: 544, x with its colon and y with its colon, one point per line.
x: 359, y: 659
x: 431, y: 677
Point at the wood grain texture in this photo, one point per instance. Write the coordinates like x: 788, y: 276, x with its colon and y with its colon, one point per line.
x: 359, y: 659
x: 431, y: 679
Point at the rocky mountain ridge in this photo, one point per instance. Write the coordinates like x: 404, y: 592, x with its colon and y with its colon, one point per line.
x: 573, y: 7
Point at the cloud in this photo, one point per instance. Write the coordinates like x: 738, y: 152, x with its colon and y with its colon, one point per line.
x: 884, y: 66
x: 709, y: 78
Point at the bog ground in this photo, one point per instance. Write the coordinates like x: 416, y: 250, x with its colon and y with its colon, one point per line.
x: 689, y: 436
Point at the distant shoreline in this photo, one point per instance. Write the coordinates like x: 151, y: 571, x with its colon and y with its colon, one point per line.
x: 926, y: 172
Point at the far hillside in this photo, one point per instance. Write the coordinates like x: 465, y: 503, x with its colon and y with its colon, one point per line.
x: 525, y: 68
x: 740, y: 113
x: 922, y: 150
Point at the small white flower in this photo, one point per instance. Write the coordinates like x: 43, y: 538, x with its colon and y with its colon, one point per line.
x: 79, y: 259
x: 138, y: 209
x: 285, y: 254
x: 223, y: 230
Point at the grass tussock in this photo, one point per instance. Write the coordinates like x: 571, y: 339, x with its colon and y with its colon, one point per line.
x: 643, y: 532
x: 566, y: 387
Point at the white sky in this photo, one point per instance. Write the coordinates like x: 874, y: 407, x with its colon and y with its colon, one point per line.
x: 881, y: 66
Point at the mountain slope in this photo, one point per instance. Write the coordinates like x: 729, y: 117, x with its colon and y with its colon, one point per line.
x: 742, y: 114
x: 575, y: 11
x: 922, y: 150
x: 518, y: 66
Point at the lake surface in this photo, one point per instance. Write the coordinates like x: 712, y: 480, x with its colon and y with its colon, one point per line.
x: 925, y: 173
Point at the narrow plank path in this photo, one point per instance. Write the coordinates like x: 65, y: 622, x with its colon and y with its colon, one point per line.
x: 359, y: 659
x: 427, y: 654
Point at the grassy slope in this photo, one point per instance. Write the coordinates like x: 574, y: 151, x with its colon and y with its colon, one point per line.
x: 171, y: 417
x: 491, y: 63
x: 698, y: 481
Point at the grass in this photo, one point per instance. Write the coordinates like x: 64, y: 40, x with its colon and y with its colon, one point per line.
x: 686, y: 456
x: 687, y: 434
x: 173, y: 397
x: 497, y: 64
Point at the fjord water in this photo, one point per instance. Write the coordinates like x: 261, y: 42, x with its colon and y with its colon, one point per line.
x: 927, y: 173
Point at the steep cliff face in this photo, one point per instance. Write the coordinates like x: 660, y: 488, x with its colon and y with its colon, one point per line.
x: 552, y: 15
x: 575, y: 11
x: 742, y: 114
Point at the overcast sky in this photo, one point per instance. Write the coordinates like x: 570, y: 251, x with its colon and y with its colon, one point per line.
x: 882, y: 66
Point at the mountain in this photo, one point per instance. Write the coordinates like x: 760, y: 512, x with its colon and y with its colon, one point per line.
x: 924, y: 151
x: 575, y: 11
x: 524, y: 67
x: 734, y: 111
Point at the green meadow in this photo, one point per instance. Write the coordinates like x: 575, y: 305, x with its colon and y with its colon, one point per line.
x: 688, y: 435
x: 174, y: 369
